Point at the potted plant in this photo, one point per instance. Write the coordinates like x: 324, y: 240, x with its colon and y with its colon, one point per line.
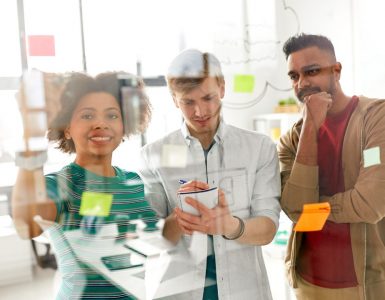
x: 287, y: 105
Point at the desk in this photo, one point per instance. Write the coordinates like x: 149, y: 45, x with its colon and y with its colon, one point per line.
x: 15, y: 254
x: 132, y: 280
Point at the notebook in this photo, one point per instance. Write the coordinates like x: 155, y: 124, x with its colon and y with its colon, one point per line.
x: 207, y: 197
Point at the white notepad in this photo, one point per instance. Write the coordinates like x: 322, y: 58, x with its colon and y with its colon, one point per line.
x: 207, y: 197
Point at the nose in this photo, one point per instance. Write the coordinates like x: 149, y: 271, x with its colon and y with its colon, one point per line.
x: 100, y: 123
x: 199, y: 110
x: 303, y: 82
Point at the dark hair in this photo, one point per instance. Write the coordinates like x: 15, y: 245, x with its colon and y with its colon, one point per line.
x: 190, y: 68
x: 79, y: 85
x: 303, y: 40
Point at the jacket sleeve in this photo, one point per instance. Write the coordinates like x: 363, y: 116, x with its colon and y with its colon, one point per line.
x: 299, y: 182
x: 365, y: 202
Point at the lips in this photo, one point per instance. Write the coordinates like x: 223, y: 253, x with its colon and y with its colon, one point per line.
x: 202, y: 121
x: 100, y: 138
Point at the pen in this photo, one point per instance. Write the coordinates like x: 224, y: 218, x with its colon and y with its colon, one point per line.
x: 182, y: 181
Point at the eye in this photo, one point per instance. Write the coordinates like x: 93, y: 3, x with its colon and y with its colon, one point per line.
x: 113, y: 116
x: 188, y: 102
x: 313, y: 71
x: 208, y: 98
x: 86, y: 116
x: 293, y: 77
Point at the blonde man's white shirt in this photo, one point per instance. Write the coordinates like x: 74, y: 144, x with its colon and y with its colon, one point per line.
x: 244, y: 164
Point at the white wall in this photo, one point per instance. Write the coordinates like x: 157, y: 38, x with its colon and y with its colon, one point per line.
x: 267, y: 62
x: 355, y: 28
x: 369, y: 47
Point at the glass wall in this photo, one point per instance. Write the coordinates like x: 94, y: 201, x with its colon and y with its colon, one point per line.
x: 113, y: 191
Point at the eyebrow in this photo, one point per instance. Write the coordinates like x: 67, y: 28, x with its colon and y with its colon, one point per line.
x: 93, y: 109
x: 186, y: 99
x: 305, y: 68
x: 208, y: 95
x: 311, y: 67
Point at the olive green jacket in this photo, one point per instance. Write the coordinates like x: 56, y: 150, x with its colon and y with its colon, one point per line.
x: 363, y: 202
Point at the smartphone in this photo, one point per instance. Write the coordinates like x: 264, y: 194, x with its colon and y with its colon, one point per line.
x: 122, y: 261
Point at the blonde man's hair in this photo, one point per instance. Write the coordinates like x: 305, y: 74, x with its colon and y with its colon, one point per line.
x: 190, y: 68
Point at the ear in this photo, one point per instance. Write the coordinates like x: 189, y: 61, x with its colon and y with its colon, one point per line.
x: 67, y: 134
x: 337, y: 70
x: 175, y: 100
x: 222, y: 90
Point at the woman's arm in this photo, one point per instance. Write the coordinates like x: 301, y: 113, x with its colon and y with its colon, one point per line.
x: 29, y: 198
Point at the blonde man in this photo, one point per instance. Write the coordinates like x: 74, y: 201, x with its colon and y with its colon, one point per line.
x: 243, y: 164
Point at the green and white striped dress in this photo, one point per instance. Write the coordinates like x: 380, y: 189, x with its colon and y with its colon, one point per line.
x: 65, y: 188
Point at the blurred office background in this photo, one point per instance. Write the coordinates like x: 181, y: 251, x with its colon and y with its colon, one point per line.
x: 142, y: 36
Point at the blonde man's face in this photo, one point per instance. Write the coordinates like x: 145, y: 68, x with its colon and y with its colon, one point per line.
x: 201, y: 106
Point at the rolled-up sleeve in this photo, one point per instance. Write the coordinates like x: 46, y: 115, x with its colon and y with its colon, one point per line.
x: 299, y: 182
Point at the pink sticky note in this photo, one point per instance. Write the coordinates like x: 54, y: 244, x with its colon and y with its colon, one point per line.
x: 41, y: 45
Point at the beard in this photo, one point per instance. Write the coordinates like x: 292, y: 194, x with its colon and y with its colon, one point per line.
x: 302, y: 93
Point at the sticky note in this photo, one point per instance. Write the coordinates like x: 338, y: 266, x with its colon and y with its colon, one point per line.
x: 41, y: 45
x: 95, y: 204
x: 313, y: 217
x: 174, y: 156
x: 372, y: 157
x: 243, y: 83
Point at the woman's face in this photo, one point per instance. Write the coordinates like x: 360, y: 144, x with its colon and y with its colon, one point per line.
x: 96, y: 126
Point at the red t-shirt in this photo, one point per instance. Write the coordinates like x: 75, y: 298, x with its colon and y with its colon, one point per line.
x: 325, y: 258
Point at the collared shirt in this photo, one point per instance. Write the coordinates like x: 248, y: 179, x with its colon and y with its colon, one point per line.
x: 244, y: 165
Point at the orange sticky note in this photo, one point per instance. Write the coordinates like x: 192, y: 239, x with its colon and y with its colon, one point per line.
x: 313, y: 217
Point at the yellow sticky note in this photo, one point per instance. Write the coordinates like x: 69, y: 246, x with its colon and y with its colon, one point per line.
x: 372, y: 157
x: 243, y: 83
x: 313, y: 217
x: 95, y: 204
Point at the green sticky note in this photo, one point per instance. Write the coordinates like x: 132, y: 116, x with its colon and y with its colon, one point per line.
x: 372, y: 157
x: 243, y: 83
x: 95, y: 204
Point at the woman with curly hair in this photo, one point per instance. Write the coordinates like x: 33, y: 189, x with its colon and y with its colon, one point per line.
x: 91, y: 124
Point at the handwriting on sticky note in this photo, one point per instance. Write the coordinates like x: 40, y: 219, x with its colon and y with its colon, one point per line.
x: 243, y: 83
x: 95, y: 204
x: 313, y: 217
x: 372, y: 157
